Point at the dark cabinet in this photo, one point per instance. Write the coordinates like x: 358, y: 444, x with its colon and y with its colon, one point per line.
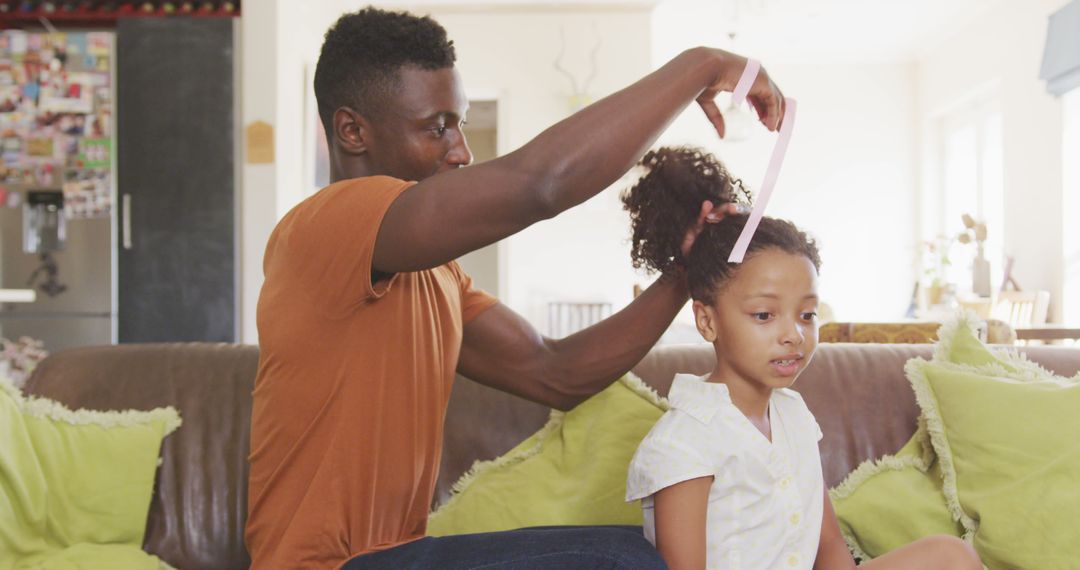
x: 176, y: 180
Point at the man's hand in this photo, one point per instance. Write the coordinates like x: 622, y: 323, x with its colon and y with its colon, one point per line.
x: 709, y: 215
x: 764, y: 95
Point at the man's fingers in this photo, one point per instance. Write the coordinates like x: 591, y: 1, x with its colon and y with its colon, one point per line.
x: 706, y: 211
x: 712, y: 112
x: 767, y: 101
x: 761, y: 110
x: 769, y: 109
x: 722, y: 211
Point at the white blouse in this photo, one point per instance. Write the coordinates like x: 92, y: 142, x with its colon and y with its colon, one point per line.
x: 766, y: 499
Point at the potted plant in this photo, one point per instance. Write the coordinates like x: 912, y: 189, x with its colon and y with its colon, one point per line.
x: 936, y: 263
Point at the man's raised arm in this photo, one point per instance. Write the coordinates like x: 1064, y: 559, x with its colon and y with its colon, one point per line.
x: 448, y: 215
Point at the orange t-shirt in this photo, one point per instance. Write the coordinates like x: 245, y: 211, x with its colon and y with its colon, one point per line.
x: 353, y: 383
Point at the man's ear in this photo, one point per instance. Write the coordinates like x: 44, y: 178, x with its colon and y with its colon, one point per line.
x: 352, y: 132
x: 706, y: 320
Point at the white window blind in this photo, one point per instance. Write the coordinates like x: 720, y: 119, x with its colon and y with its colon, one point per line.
x: 1061, y: 58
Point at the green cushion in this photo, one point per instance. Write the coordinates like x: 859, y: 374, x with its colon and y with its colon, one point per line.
x: 75, y: 487
x: 571, y: 472
x: 885, y: 504
x: 1009, y: 448
x: 899, y: 498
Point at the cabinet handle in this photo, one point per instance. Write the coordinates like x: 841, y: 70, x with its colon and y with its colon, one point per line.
x: 126, y: 222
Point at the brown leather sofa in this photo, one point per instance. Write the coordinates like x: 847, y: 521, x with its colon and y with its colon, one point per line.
x: 857, y: 391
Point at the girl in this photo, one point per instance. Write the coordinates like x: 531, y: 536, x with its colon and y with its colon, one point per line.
x: 731, y: 477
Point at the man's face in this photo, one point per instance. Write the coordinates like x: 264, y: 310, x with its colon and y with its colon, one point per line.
x: 419, y: 132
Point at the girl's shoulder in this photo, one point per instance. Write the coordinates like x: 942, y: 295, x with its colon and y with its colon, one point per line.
x: 676, y: 424
x: 681, y: 434
x: 699, y: 399
x: 677, y: 449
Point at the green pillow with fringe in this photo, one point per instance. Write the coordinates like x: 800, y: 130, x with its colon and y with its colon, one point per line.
x: 1007, y: 438
x: 897, y: 499
x: 75, y: 486
x: 885, y: 504
x: 571, y: 472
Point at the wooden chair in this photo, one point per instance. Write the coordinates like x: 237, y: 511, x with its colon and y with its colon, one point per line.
x: 567, y: 318
x: 1021, y: 308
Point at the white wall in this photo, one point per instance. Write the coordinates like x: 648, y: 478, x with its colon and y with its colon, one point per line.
x: 1071, y: 150
x: 258, y: 184
x: 849, y: 174
x: 1003, y: 47
x: 280, y: 38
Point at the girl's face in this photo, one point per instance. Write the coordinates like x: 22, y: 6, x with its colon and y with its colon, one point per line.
x: 763, y: 322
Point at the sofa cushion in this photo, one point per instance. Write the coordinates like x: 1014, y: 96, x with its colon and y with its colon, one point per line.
x: 571, y: 472
x: 76, y: 485
x: 199, y: 506
x: 1006, y: 437
x: 892, y: 501
x: 897, y: 499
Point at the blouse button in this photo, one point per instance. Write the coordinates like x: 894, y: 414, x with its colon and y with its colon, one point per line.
x: 785, y: 482
x: 795, y: 518
x: 793, y: 560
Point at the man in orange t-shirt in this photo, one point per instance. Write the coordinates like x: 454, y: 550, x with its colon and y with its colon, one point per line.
x: 365, y: 317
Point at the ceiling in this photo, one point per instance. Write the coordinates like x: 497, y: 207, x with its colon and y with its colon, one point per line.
x: 833, y: 31
x: 830, y: 31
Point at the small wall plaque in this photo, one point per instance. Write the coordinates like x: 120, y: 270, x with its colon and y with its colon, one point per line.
x: 260, y: 143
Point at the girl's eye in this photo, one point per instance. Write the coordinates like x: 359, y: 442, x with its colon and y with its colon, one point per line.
x: 762, y: 316
x: 810, y: 316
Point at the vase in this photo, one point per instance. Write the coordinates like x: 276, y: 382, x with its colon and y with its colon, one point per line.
x: 980, y: 275
x: 934, y: 293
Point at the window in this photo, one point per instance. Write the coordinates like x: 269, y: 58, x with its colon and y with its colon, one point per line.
x: 1071, y: 187
x: 972, y: 182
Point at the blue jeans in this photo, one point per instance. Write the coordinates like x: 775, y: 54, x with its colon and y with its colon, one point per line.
x: 549, y: 547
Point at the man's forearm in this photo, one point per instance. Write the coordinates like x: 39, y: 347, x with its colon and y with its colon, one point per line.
x: 587, y: 361
x: 589, y: 151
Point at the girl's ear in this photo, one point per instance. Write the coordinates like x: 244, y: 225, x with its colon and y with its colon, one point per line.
x: 705, y: 319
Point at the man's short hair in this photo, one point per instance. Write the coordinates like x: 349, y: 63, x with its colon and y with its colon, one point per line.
x: 362, y: 54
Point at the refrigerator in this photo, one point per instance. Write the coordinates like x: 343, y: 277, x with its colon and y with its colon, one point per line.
x: 57, y: 186
x: 73, y: 304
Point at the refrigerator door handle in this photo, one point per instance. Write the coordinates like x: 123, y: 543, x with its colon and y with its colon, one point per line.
x: 126, y: 222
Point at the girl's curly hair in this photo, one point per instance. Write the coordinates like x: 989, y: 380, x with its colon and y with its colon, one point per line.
x: 667, y: 200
